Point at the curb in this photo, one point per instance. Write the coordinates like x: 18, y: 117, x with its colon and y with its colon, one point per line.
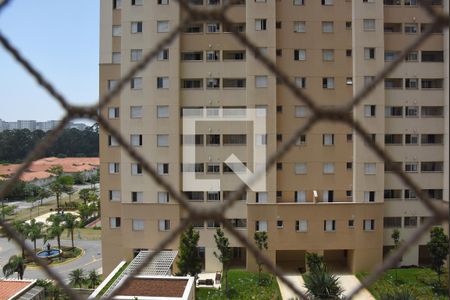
x: 83, y: 252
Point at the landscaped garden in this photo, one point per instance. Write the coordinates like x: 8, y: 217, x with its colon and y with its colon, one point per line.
x: 420, y: 283
x: 244, y: 285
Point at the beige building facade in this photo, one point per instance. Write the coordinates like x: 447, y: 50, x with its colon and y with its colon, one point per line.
x: 330, y: 193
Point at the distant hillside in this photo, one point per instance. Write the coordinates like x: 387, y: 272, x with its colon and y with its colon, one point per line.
x: 16, y: 144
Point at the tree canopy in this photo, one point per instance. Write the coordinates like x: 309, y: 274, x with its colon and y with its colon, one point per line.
x: 16, y: 144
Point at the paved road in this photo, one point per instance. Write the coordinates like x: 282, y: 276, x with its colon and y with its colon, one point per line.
x: 91, y: 260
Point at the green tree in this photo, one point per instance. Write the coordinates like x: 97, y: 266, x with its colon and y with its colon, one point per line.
x: 77, y: 278
x: 7, y: 210
x: 261, y: 242
x: 438, y: 248
x: 78, y: 178
x: 57, y: 189
x: 93, y: 279
x: 34, y: 231
x: 56, y: 170
x: 15, y: 264
x: 84, y: 195
x: 322, y: 285
x: 43, y: 193
x: 55, y: 229
x: 70, y: 223
x: 396, y: 238
x: 314, y: 262
x: 86, y: 211
x: 22, y: 231
x: 224, y: 255
x: 189, y: 261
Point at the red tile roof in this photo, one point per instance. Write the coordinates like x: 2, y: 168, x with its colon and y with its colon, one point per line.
x: 9, y: 288
x: 154, y: 287
x: 38, y: 170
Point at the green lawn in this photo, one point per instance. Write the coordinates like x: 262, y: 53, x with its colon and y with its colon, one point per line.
x: 244, y: 285
x: 417, y: 280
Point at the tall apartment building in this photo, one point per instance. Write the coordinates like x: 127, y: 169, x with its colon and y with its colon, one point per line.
x: 330, y: 194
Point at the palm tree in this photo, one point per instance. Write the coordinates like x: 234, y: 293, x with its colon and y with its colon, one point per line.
x: 21, y: 230
x: 55, y: 229
x: 34, y: 231
x: 70, y: 223
x: 15, y: 264
x: 57, y: 189
x: 77, y: 278
x: 93, y: 279
x: 322, y: 285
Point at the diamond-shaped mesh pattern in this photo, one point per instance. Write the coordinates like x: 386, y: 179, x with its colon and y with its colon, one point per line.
x: 340, y: 114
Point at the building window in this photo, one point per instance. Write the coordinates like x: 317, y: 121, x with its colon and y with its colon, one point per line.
x: 410, y: 28
x: 213, y: 139
x: 162, y: 140
x: 113, y: 112
x: 112, y: 142
x: 162, y: 82
x: 370, y: 168
x: 163, y: 2
x: 432, y: 83
x: 369, y: 24
x: 162, y: 111
x: 136, y: 27
x: 328, y: 196
x: 162, y: 26
x: 327, y: 27
x: 111, y: 84
x: 431, y: 166
x: 412, y: 56
x: 114, y: 195
x: 301, y: 140
x: 391, y: 55
x: 193, y: 28
x: 280, y: 224
x: 234, y: 139
x: 136, y: 169
x: 392, y: 222
x: 213, y: 2
x: 234, y: 83
x: 300, y: 82
x: 117, y: 4
x: 164, y: 225
x: 212, y: 196
x: 260, y: 24
x: 136, y: 83
x: 136, y: 140
x: 261, y: 81
x: 212, y: 224
x: 328, y: 139
x: 411, y: 167
x: 163, y: 54
x: 328, y: 54
x: 410, y: 221
x: 393, y: 111
x: 299, y: 2
x: 299, y: 54
x: 301, y: 111
x: 114, y: 222
x: 212, y: 55
x: 116, y: 30
x: 212, y: 27
x: 329, y: 225
x: 369, y: 196
x: 351, y: 223
x: 261, y: 197
x: 137, y: 197
x: 412, y: 111
x: 213, y: 168
x: 299, y: 26
x: 261, y: 226
x: 300, y: 196
x: 300, y: 168
x: 213, y: 83
x: 137, y: 2
x: 301, y: 225
x: 369, y: 53
x: 369, y: 111
x: 136, y: 112
x: 114, y: 168
x: 411, y: 139
x: 432, y: 111
x: 328, y: 168
x: 116, y: 58
x: 138, y: 224
x: 369, y: 225
x: 328, y: 83
x: 163, y: 197
x: 411, y: 83
x: 136, y: 54
x: 163, y: 168
x: 348, y: 25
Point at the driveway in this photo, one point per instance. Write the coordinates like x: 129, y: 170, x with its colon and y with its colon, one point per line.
x: 91, y: 260
x: 286, y: 292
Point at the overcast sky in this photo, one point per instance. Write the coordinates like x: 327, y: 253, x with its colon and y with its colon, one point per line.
x: 61, y: 38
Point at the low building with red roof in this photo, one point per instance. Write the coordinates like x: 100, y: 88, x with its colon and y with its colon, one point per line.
x: 20, y: 289
x: 38, y: 173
